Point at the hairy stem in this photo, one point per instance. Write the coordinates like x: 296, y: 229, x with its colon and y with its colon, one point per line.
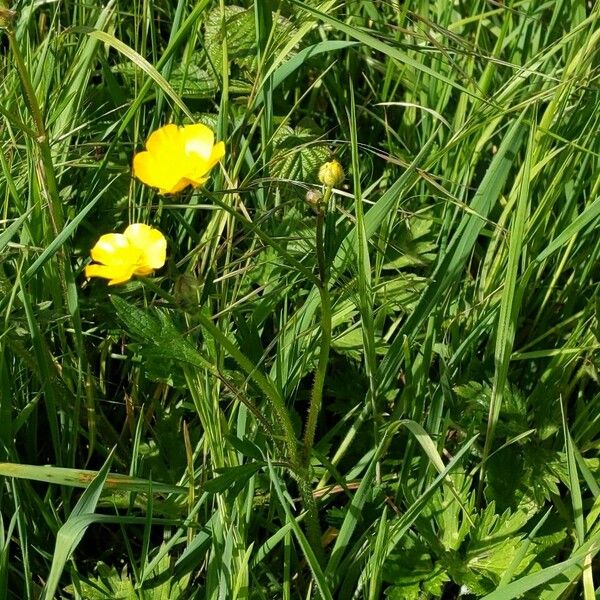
x: 312, y: 517
x: 325, y: 326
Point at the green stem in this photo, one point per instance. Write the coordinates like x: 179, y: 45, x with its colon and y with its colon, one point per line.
x: 321, y: 263
x: 316, y: 397
x: 317, y: 390
x: 313, y: 529
x: 298, y: 470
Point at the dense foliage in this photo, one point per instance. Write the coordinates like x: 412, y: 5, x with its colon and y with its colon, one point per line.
x: 153, y: 435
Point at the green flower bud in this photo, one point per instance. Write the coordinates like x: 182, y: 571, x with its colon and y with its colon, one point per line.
x: 331, y: 173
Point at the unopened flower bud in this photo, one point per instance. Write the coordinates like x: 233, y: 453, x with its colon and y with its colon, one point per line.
x: 331, y: 173
x: 314, y: 197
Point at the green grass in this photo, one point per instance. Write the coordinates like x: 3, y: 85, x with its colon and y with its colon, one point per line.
x: 440, y: 317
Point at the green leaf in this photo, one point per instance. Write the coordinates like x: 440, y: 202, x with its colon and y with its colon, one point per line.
x: 298, y: 154
x: 81, y: 478
x: 236, y: 24
x: 12, y: 229
x: 529, y: 582
x: 308, y: 552
x: 71, y: 533
x: 142, y: 64
x: 156, y: 330
x: 231, y: 476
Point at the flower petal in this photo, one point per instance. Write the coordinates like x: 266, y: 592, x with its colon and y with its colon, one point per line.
x: 177, y: 157
x: 197, y: 139
x: 114, y: 249
x: 197, y: 177
x: 197, y: 182
x: 146, y: 169
x: 218, y: 152
x: 151, y: 244
x: 162, y: 173
x: 143, y: 271
x: 115, y: 273
x: 181, y: 184
x: 164, y: 140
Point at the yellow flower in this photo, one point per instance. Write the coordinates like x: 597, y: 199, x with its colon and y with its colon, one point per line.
x: 137, y: 251
x: 176, y: 157
x: 331, y: 173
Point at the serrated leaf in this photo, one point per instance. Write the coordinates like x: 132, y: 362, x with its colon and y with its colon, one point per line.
x: 491, y: 549
x: 193, y: 82
x: 298, y: 154
x: 118, y: 586
x: 156, y: 329
x: 237, y: 24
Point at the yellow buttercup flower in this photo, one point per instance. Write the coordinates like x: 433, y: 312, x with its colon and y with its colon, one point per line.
x: 331, y: 173
x: 139, y: 250
x: 176, y: 157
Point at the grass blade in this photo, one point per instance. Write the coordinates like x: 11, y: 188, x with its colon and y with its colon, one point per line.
x: 71, y: 533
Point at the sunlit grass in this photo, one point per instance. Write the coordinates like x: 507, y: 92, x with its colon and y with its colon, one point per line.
x: 377, y: 385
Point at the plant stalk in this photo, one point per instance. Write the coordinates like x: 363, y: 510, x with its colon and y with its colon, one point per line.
x: 312, y: 517
x: 316, y: 398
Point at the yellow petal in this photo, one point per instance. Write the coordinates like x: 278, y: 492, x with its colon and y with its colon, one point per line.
x: 151, y: 244
x: 146, y: 169
x: 218, y: 152
x: 116, y: 274
x: 197, y: 139
x: 114, y: 249
x: 160, y: 173
x: 164, y: 140
x: 200, y: 169
x: 198, y: 182
x: 176, y: 187
x: 143, y: 271
x: 177, y: 157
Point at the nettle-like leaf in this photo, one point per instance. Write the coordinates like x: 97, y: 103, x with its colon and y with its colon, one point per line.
x: 524, y: 476
x: 412, y: 573
x: 473, y: 552
x: 239, y: 27
x: 193, y: 82
x: 298, y: 154
x: 493, y: 545
x: 472, y: 409
x: 110, y: 584
x: 158, y: 341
